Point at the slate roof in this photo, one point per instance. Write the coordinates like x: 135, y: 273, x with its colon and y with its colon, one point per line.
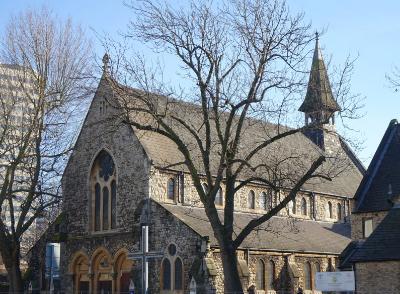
x: 319, y: 93
x: 384, y: 242
x: 294, y: 154
x: 277, y: 234
x: 384, y: 170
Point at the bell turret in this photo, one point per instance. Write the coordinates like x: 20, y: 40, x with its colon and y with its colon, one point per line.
x: 319, y: 105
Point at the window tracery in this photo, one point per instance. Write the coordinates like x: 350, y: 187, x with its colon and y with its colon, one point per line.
x: 104, y: 193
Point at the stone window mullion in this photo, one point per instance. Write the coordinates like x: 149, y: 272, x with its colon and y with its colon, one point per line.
x: 109, y: 203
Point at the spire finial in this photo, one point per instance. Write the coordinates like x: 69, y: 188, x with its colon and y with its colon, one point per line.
x: 316, y: 36
x: 106, y: 63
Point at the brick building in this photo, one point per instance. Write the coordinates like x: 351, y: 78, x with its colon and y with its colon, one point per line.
x: 115, y: 167
x: 374, y: 254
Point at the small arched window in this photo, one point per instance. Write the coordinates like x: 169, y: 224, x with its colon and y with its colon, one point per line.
x: 303, y: 206
x: 339, y: 212
x: 307, y: 276
x: 294, y: 206
x: 166, y: 274
x: 271, y: 275
x: 251, y: 200
x: 171, y: 189
x: 104, y: 193
x: 260, y: 275
x: 264, y: 201
x: 219, y: 197
x: 178, y: 285
x: 329, y: 210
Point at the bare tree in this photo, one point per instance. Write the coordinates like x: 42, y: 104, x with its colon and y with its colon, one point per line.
x: 243, y: 66
x: 43, y: 73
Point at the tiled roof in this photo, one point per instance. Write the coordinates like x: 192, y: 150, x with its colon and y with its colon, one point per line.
x: 279, y: 233
x: 384, y: 170
x: 292, y: 155
x: 384, y: 242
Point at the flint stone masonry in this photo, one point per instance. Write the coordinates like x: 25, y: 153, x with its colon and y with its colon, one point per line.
x: 138, y: 179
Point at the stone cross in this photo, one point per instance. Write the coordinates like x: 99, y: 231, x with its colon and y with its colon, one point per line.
x: 144, y: 255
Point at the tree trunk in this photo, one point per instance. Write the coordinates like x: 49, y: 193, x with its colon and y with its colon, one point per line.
x: 12, y: 263
x: 232, y: 282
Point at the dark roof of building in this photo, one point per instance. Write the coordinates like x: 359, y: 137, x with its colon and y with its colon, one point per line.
x: 277, y: 234
x: 383, y: 174
x: 347, y: 254
x: 292, y: 155
x: 319, y: 93
x: 384, y: 242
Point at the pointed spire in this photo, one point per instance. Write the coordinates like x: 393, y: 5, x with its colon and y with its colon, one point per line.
x: 106, y: 64
x: 319, y: 97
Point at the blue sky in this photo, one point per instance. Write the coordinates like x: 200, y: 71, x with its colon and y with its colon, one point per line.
x: 369, y: 29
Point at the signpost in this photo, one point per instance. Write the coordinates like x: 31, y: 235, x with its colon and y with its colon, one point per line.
x: 144, y: 255
x: 335, y: 281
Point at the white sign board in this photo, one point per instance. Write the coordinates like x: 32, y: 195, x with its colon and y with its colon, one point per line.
x: 335, y: 281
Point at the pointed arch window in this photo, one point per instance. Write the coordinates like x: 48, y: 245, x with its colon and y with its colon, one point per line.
x: 260, y: 275
x: 166, y: 274
x: 104, y: 193
x: 171, y: 189
x: 264, y: 201
x: 178, y: 285
x: 251, y: 200
x: 294, y: 206
x: 270, y: 275
x: 307, y: 276
x: 329, y: 210
x: 303, y: 206
x: 219, y: 197
x: 339, y: 212
x: 172, y: 271
x: 317, y: 269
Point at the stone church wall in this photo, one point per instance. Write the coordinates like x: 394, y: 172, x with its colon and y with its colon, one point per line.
x: 101, y: 132
x: 158, y: 189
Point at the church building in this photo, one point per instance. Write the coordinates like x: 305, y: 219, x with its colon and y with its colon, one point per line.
x: 117, y: 172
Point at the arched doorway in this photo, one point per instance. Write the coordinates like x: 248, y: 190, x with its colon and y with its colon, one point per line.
x: 80, y: 269
x: 102, y: 269
x: 122, y: 267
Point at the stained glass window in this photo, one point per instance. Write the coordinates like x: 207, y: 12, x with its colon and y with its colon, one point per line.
x: 105, y: 209
x: 103, y: 177
x: 97, y: 207
x: 166, y: 274
x: 178, y: 274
